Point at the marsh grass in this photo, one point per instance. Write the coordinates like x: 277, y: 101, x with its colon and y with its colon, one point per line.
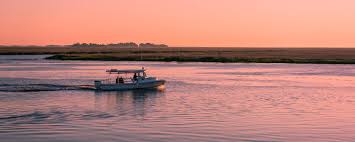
x: 193, y: 54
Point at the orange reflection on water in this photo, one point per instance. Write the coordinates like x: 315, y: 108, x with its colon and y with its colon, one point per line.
x: 200, y: 102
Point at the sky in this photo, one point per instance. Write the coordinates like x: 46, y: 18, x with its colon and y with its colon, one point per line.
x: 219, y: 23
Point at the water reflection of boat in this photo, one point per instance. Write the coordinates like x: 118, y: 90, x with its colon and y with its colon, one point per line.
x: 135, y: 102
x: 128, y: 80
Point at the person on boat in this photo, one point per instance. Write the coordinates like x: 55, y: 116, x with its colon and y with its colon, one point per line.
x: 135, y: 76
x: 121, y: 80
x: 116, y: 80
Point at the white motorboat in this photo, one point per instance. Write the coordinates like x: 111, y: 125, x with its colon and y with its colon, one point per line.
x: 128, y: 80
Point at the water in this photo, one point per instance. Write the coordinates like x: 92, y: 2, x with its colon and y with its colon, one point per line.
x: 200, y: 102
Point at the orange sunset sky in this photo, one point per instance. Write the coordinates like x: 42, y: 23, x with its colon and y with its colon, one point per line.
x: 252, y: 23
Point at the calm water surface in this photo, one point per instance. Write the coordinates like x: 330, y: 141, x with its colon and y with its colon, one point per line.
x: 200, y: 102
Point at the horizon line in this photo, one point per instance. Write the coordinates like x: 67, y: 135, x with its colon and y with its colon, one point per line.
x: 67, y: 45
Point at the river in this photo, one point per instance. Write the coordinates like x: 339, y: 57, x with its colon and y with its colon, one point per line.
x: 200, y: 102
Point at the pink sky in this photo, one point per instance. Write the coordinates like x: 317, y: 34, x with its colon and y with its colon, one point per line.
x: 296, y: 23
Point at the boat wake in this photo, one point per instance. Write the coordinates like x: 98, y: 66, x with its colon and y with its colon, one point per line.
x: 41, y: 87
x: 53, y: 116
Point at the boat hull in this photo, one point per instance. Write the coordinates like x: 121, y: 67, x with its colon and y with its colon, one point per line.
x: 130, y: 86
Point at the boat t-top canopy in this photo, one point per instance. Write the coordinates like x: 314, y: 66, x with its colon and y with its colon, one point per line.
x: 124, y: 71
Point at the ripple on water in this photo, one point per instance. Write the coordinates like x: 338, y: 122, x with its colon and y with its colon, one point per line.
x: 201, y: 102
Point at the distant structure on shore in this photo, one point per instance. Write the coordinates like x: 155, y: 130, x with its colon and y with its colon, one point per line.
x: 120, y: 45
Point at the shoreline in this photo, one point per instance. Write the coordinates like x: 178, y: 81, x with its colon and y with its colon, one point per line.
x: 192, y: 54
x: 200, y: 59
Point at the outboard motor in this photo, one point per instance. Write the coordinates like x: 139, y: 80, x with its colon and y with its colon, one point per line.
x: 98, y: 84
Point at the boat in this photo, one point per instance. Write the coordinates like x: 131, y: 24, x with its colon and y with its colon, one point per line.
x: 128, y: 80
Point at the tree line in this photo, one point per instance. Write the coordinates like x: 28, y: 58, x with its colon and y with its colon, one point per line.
x: 123, y: 45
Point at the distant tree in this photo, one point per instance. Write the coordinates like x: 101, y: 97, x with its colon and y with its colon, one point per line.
x: 125, y: 44
x: 144, y: 45
x: 76, y: 44
x: 119, y: 45
x: 84, y: 45
x: 87, y: 45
